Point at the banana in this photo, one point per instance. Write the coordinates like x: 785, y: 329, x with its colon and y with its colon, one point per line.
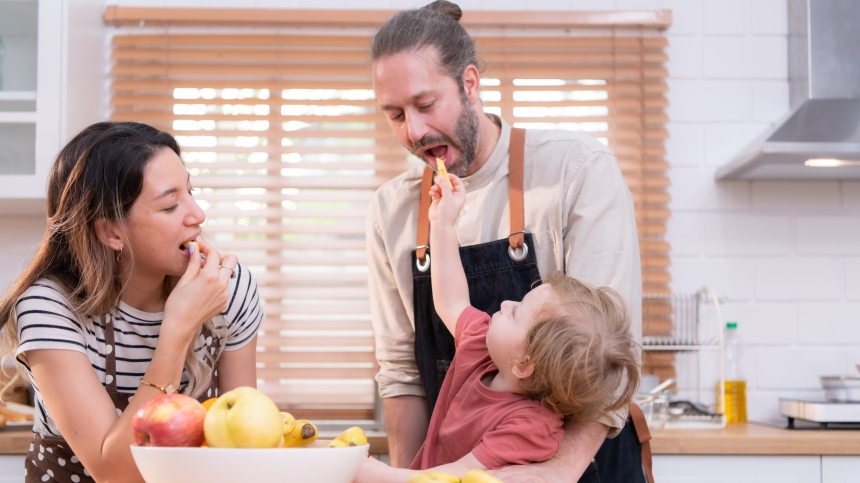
x: 336, y: 443
x: 289, y: 422
x: 303, y: 434
x: 478, y: 476
x: 353, y: 436
x: 433, y: 477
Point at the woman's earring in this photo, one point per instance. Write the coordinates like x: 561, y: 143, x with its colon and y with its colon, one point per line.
x: 119, y: 257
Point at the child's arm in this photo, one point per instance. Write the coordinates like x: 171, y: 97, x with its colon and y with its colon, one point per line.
x: 450, y: 290
x: 374, y: 471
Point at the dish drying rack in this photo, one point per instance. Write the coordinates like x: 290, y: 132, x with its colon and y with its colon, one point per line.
x: 676, y: 325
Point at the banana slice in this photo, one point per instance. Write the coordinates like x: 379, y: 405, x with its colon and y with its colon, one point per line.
x: 440, y: 164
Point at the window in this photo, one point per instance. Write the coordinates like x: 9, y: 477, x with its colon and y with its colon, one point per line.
x: 280, y: 128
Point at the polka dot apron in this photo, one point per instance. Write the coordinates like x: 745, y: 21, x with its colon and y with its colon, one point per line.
x: 50, y: 458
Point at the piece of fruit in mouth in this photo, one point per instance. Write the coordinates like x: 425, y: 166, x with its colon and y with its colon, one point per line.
x: 440, y: 164
x: 185, y: 245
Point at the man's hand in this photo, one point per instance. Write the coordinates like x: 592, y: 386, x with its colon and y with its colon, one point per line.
x: 406, y: 422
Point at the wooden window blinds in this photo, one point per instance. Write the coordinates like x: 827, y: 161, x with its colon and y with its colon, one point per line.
x: 279, y: 126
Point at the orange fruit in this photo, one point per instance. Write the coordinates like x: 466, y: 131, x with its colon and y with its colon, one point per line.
x: 209, y: 402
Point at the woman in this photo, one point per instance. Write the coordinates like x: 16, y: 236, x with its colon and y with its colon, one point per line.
x: 112, y: 312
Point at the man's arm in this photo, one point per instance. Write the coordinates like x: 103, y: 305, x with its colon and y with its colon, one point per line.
x: 406, y: 422
x: 581, y: 441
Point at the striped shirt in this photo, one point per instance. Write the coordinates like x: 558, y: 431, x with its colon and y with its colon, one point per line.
x: 45, y: 320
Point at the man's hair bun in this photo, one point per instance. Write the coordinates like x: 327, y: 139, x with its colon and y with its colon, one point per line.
x: 445, y: 8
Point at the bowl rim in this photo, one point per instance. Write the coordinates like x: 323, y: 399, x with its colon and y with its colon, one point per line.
x: 206, y: 448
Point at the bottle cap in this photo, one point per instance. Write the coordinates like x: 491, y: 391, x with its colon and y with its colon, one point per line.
x: 731, y: 325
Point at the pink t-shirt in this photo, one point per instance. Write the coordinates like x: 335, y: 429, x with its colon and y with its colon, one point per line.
x: 500, y: 428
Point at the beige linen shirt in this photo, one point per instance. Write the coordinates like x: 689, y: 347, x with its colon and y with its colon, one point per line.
x: 576, y: 205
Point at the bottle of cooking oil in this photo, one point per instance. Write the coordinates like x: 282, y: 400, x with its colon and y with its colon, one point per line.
x: 736, y: 385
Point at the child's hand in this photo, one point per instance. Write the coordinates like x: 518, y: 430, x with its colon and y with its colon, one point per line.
x: 446, y: 205
x: 372, y: 471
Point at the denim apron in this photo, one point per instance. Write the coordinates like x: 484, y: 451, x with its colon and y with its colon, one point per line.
x: 497, y: 271
x: 50, y: 458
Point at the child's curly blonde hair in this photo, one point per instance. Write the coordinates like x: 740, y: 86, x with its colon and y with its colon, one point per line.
x: 586, y: 361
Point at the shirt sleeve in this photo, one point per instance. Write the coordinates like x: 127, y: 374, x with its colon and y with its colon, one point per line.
x: 472, y: 327
x: 244, y: 312
x: 392, y: 329
x: 45, y: 320
x: 601, y: 243
x: 519, y: 440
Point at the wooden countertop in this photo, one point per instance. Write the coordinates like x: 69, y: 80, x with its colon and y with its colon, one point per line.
x: 756, y: 439
x: 743, y: 438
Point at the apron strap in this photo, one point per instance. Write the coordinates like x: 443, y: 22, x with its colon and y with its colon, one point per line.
x: 641, y: 427
x: 515, y: 186
x: 110, y: 357
x: 424, y: 214
x: 516, y: 158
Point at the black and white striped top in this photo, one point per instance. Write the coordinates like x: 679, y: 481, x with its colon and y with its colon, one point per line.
x: 45, y: 320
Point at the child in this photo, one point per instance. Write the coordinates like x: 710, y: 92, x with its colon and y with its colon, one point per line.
x: 565, y: 351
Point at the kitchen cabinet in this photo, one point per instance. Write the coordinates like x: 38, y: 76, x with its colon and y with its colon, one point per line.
x: 840, y: 469
x: 30, y: 96
x: 12, y: 468
x: 54, y: 85
x: 737, y: 469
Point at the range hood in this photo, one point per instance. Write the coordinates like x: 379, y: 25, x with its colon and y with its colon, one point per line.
x: 820, y: 137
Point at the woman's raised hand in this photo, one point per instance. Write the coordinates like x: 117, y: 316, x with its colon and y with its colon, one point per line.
x: 201, y: 292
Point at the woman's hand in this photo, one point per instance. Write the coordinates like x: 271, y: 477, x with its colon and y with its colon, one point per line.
x: 201, y: 292
x: 446, y: 204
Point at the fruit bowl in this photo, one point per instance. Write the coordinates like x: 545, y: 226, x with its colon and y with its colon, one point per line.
x: 230, y: 465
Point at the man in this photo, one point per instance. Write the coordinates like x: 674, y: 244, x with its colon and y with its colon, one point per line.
x: 563, y: 206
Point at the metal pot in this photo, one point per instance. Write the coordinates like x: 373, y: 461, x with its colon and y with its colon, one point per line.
x: 841, y: 388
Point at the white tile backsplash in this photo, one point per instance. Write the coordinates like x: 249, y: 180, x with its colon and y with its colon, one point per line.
x: 837, y: 323
x: 696, y: 190
x: 709, y: 100
x: 684, y: 233
x: 796, y: 367
x: 798, y: 279
x: 852, y: 279
x: 796, y: 196
x: 747, y: 235
x: 828, y: 235
x: 685, y: 145
x: 724, y: 141
x: 770, y: 101
x: 726, y: 17
x: 730, y: 277
x: 769, y: 17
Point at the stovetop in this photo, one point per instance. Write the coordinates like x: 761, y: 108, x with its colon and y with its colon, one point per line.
x: 820, y: 414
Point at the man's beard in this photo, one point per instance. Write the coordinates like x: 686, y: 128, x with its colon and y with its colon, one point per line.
x: 466, y: 133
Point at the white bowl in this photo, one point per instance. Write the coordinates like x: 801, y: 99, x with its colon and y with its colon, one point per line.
x: 237, y: 465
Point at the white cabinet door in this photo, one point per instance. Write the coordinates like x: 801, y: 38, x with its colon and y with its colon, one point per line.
x: 737, y: 469
x: 840, y: 469
x: 11, y: 468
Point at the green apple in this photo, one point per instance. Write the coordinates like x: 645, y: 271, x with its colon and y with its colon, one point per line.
x: 243, y: 418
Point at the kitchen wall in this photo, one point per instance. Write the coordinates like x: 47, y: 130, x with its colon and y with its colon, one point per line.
x: 785, y: 254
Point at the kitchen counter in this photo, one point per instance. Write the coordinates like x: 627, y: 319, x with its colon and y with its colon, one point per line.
x: 17, y: 441
x: 736, y: 439
x: 756, y: 439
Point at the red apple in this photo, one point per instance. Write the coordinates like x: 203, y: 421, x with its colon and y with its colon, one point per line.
x: 169, y: 420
